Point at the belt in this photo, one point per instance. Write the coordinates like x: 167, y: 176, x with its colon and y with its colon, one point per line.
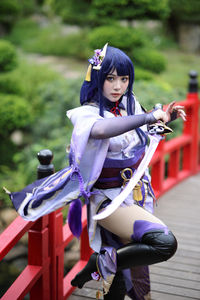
x: 111, y: 177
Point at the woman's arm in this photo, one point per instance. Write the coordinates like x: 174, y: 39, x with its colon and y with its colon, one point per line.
x: 111, y: 127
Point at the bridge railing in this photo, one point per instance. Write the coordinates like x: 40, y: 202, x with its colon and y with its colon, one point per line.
x: 183, y: 152
x: 43, y: 277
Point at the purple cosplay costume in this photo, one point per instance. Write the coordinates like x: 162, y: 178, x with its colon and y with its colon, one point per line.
x: 87, y: 158
x: 120, y: 151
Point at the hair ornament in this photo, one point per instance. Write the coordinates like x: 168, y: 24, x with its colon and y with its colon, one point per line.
x: 88, y: 74
x: 97, y: 59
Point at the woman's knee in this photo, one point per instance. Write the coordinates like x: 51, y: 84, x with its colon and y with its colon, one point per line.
x: 164, y: 243
x: 156, y: 235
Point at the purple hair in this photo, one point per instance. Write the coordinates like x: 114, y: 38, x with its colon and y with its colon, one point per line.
x: 114, y: 59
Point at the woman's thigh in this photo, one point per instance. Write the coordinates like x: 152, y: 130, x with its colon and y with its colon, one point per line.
x: 122, y: 220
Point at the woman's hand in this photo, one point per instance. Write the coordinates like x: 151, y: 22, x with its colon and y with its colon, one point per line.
x: 166, y: 116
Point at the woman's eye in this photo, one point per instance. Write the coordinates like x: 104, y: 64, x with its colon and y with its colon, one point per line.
x: 110, y: 78
x: 125, y: 79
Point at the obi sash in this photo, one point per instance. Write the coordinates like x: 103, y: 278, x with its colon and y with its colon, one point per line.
x: 110, y: 176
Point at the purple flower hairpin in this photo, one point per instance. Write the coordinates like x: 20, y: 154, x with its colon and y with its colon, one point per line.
x: 98, y: 57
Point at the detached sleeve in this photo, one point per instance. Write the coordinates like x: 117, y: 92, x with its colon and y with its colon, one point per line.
x: 111, y: 127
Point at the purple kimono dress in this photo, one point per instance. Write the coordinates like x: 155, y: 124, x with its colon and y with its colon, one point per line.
x: 122, y: 151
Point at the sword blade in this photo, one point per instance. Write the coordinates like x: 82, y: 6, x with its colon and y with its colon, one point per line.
x: 154, y: 141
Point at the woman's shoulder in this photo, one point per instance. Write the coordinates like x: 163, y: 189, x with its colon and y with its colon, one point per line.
x: 83, y: 112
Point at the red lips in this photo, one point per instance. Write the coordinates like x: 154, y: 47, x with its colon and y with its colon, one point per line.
x: 116, y: 95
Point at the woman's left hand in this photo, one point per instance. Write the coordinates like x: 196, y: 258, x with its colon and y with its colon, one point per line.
x: 173, y: 112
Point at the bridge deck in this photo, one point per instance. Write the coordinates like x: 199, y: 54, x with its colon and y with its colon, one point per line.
x: 178, y: 278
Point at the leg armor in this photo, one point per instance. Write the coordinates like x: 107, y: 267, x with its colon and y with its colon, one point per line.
x: 85, y: 274
x: 152, y: 243
x: 117, y: 290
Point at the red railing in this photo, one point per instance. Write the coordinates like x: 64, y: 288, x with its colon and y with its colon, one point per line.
x: 183, y: 152
x: 43, y: 278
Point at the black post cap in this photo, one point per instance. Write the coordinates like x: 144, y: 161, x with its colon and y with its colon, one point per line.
x: 45, y: 167
x: 193, y: 82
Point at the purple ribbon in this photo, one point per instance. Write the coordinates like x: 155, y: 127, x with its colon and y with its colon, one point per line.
x: 75, y: 208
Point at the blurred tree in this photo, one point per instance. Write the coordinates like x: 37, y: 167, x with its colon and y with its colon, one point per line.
x: 14, y: 110
x: 130, y: 9
x: 15, y: 113
x: 184, y: 22
x: 133, y: 41
x: 95, y: 12
x: 72, y: 12
x: 185, y: 11
x: 12, y: 10
x: 7, y: 56
x: 9, y: 11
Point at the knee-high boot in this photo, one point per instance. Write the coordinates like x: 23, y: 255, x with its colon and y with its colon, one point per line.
x: 155, y: 246
x: 117, y: 289
x: 85, y: 274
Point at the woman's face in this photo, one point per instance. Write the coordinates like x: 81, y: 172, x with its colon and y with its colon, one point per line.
x: 115, y: 86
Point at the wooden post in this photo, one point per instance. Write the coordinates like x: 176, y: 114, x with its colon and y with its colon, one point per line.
x: 38, y: 242
x: 158, y: 170
x: 191, y: 126
x: 45, y: 167
x: 38, y: 255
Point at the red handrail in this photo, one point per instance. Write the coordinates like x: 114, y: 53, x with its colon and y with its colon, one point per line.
x: 183, y: 151
x: 44, y: 277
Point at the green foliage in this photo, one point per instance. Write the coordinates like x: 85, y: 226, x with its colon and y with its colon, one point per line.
x: 96, y: 12
x: 149, y: 59
x: 58, y: 96
x: 133, y: 41
x: 7, y: 151
x: 8, y: 57
x: 11, y: 84
x: 157, y: 34
x: 49, y: 40
x: 9, y: 11
x: 12, y: 10
x: 28, y: 6
x: 149, y: 93
x: 51, y: 128
x: 32, y: 77
x: 14, y: 180
x: 14, y: 113
x: 73, y: 12
x: 125, y: 38
x: 130, y: 9
x: 74, y: 45
x: 24, y: 31
x: 185, y: 11
x: 141, y: 74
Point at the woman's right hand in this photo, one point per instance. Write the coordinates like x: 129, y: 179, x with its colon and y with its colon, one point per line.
x: 160, y: 114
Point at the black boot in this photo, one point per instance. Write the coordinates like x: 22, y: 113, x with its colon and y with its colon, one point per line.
x: 85, y: 275
x: 117, y: 290
x: 155, y: 247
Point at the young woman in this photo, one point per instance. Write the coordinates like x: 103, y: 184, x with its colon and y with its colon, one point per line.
x: 131, y: 236
x: 108, y: 143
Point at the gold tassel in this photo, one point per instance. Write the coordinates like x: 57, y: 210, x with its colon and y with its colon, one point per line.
x: 137, y: 192
x: 88, y: 74
x: 99, y: 295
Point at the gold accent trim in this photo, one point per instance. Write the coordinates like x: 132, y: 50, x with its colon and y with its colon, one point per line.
x: 88, y: 74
